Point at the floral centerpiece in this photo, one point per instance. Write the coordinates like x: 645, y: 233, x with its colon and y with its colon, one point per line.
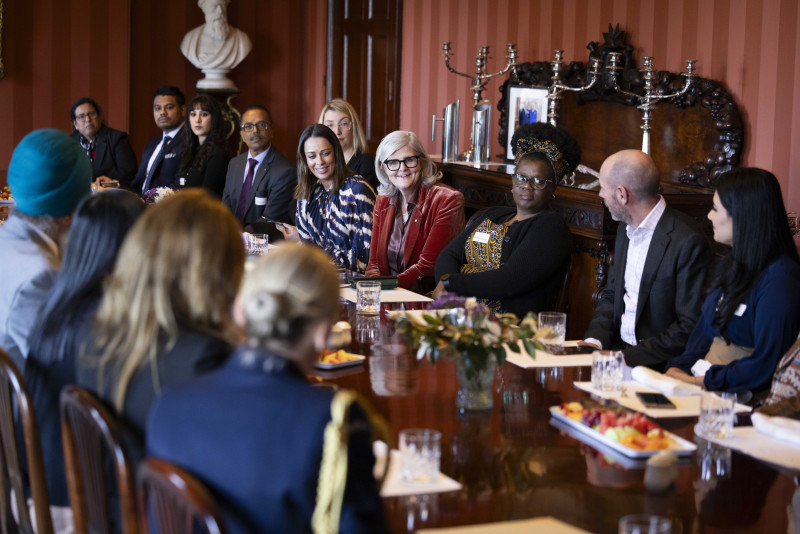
x: 474, y: 337
x: 157, y: 194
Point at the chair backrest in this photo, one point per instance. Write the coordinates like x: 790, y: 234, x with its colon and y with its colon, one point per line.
x: 14, y: 394
x: 93, y: 440
x: 174, y: 502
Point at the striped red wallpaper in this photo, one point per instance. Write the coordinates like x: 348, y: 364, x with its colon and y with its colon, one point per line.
x: 752, y: 46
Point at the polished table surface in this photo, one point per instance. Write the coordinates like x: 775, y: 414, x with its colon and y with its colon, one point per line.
x: 515, y: 464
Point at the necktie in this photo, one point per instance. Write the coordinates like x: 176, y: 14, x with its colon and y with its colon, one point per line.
x: 241, y: 207
x: 152, y: 170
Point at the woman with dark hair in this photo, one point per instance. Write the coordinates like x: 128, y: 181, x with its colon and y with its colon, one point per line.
x: 751, y: 315
x: 334, y: 207
x: 342, y: 119
x: 515, y: 258
x: 108, y: 149
x: 63, y: 327
x: 205, y: 159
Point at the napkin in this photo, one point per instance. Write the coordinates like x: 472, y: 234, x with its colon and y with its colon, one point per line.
x: 663, y: 383
x: 781, y: 428
x: 394, y: 486
x: 544, y: 525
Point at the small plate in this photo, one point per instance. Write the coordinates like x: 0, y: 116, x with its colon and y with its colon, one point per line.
x: 679, y: 446
x: 330, y: 366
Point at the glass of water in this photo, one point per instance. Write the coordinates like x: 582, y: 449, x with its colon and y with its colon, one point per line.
x: 645, y: 524
x: 607, y: 370
x: 552, y: 330
x: 716, y: 415
x: 368, y: 297
x: 420, y: 454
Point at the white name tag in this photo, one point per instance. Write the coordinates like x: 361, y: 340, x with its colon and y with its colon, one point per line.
x: 183, y: 181
x: 740, y: 310
x: 481, y: 237
x: 261, y: 201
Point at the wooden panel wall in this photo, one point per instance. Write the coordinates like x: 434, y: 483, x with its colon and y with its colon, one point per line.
x: 752, y: 46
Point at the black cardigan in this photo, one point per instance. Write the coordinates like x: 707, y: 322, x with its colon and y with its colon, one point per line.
x: 535, y: 258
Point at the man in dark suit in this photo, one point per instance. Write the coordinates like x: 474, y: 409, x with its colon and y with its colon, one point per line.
x: 108, y: 149
x: 261, y: 181
x: 161, y: 158
x: 655, y: 289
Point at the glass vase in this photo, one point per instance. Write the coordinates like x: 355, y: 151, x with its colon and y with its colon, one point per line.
x: 475, y: 381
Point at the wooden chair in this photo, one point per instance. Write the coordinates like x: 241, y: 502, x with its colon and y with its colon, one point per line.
x: 174, y: 502
x: 14, y: 394
x: 93, y: 440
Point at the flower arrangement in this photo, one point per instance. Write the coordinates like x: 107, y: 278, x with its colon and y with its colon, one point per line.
x: 461, y: 329
x: 157, y: 194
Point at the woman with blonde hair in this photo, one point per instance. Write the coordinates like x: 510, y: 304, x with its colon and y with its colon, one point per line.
x: 341, y: 117
x: 415, y: 216
x: 262, y: 437
x: 165, y: 313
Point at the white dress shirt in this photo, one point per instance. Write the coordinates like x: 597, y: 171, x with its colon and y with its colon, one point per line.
x: 171, y: 135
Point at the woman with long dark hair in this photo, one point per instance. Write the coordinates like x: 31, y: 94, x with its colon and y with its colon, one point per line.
x: 205, y: 159
x: 751, y: 315
x: 63, y: 327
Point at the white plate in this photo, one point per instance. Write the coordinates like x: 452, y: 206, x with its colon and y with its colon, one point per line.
x: 330, y: 366
x: 679, y: 446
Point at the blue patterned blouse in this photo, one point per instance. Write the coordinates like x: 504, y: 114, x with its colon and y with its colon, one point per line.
x: 340, y: 223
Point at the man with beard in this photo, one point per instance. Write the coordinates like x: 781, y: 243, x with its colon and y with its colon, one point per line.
x: 655, y: 288
x: 161, y: 157
x: 215, y: 44
x: 261, y: 181
x: 49, y: 174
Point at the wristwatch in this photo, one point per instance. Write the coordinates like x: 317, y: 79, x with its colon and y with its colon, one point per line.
x: 445, y: 281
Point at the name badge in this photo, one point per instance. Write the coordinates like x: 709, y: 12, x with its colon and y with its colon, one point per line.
x: 481, y: 237
x: 740, y: 310
x: 182, y: 181
x: 261, y: 201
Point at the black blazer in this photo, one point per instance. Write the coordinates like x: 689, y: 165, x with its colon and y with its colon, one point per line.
x: 211, y: 176
x: 113, y: 155
x: 670, y: 293
x: 166, y: 166
x: 272, y: 194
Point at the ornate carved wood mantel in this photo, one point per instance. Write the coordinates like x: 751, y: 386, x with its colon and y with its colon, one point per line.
x: 694, y: 139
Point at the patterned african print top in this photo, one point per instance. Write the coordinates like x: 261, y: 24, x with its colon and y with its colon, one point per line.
x: 340, y: 222
x: 483, y: 251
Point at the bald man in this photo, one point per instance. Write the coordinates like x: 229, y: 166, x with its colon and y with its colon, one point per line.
x: 655, y: 288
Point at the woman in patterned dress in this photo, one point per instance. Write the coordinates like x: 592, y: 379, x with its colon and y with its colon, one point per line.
x: 514, y: 259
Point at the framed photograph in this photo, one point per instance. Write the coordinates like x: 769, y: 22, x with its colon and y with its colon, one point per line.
x: 526, y: 105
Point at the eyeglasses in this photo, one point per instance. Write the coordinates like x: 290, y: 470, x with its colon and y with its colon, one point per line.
x: 249, y: 126
x: 86, y: 116
x: 536, y: 182
x: 344, y: 124
x: 394, y: 164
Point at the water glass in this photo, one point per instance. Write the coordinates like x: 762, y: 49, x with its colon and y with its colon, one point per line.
x: 420, y: 454
x: 716, y: 415
x: 257, y: 244
x: 607, y: 370
x: 645, y: 524
x: 368, y: 297
x: 553, y: 330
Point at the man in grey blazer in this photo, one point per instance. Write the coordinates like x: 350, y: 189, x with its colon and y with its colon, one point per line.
x: 261, y: 181
x: 655, y: 289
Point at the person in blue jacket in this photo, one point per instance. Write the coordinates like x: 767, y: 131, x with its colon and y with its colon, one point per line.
x: 256, y: 433
x: 751, y: 314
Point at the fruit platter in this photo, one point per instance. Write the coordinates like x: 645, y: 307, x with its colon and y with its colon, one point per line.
x: 629, y: 433
x: 337, y: 359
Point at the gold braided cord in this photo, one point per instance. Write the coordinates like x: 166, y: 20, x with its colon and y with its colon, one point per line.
x: 333, y: 469
x: 528, y: 145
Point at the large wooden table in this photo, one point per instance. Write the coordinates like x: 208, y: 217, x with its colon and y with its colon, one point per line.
x: 514, y: 464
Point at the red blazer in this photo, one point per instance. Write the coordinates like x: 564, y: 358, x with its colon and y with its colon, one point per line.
x: 438, y: 219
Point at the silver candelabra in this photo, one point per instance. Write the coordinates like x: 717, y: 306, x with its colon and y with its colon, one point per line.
x: 556, y: 88
x: 481, y: 109
x: 649, y: 99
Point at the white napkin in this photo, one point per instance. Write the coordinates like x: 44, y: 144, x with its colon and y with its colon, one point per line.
x: 781, y: 428
x: 663, y: 383
x: 394, y: 486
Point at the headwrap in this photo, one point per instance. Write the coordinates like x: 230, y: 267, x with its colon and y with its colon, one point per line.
x: 529, y: 145
x: 49, y: 174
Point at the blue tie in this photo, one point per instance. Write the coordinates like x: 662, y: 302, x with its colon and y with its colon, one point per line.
x: 152, y: 170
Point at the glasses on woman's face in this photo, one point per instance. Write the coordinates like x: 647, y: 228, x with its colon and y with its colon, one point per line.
x: 249, y: 126
x: 394, y: 164
x: 344, y: 124
x: 520, y: 180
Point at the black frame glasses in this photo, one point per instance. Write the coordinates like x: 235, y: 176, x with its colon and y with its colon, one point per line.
x: 520, y: 180
x: 249, y: 126
x: 410, y: 162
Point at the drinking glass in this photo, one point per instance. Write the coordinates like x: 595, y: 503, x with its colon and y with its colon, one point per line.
x: 257, y: 244
x: 716, y: 415
x: 552, y: 330
x: 607, y: 369
x: 645, y: 524
x: 420, y: 454
x: 368, y: 297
